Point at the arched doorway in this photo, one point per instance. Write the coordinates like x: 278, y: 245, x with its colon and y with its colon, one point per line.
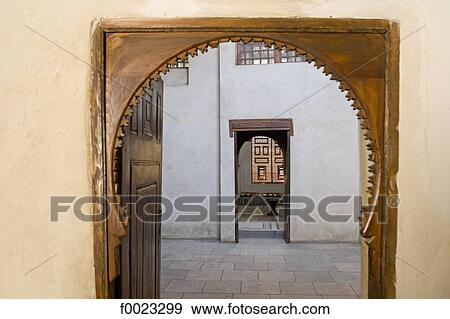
x: 341, y: 47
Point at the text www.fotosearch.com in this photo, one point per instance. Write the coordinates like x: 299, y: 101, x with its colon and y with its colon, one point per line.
x: 242, y: 309
x: 230, y: 309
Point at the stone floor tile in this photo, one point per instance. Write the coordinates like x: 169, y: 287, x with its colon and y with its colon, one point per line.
x: 268, y: 259
x: 174, y: 273
x: 300, y: 259
x: 171, y: 295
x: 312, y: 245
x: 218, y: 286
x: 278, y: 246
x: 341, y: 252
x: 328, y: 259
x: 204, y: 275
x: 240, y: 275
x: 297, y: 288
x: 311, y: 252
x: 199, y: 251
x: 226, y: 251
x: 313, y: 276
x: 283, y: 296
x: 356, y: 286
x: 273, y: 275
x: 165, y: 264
x: 185, y: 286
x: 208, y: 258
x: 251, y: 266
x: 250, y: 296
x: 193, y: 295
x: 255, y: 252
x: 256, y: 287
x: 348, y: 267
x: 351, y: 258
x: 346, y: 276
x: 237, y: 259
x: 334, y: 289
x: 190, y: 265
x: 245, y: 246
x: 318, y: 266
x: 349, y: 245
x: 288, y: 266
x: 283, y: 252
x: 163, y: 283
x: 175, y: 257
x: 217, y: 266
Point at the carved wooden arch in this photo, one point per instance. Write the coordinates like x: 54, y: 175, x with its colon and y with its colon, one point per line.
x: 358, y: 53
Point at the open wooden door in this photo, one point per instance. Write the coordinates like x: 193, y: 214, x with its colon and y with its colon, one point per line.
x: 141, y: 176
x: 286, y: 204
x: 236, y: 187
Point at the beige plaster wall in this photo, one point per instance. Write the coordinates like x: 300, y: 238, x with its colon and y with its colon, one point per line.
x: 45, y: 133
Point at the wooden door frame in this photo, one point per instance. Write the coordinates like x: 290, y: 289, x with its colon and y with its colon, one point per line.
x: 336, y: 46
x: 265, y: 126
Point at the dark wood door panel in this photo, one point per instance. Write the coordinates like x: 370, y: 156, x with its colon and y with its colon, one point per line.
x: 149, y: 215
x: 141, y: 177
x: 145, y: 181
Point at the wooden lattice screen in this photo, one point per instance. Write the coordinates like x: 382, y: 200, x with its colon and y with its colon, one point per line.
x: 261, y: 53
x: 267, y: 161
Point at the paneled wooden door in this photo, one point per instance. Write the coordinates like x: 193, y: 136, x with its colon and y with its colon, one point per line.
x: 141, y: 176
x: 267, y: 161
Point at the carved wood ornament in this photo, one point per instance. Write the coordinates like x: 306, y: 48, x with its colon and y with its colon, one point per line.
x: 362, y: 55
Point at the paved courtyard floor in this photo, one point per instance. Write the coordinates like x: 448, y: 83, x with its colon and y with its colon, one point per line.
x: 259, y: 268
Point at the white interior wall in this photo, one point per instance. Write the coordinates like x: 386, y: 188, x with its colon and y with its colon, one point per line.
x: 190, y: 141
x: 324, y: 148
